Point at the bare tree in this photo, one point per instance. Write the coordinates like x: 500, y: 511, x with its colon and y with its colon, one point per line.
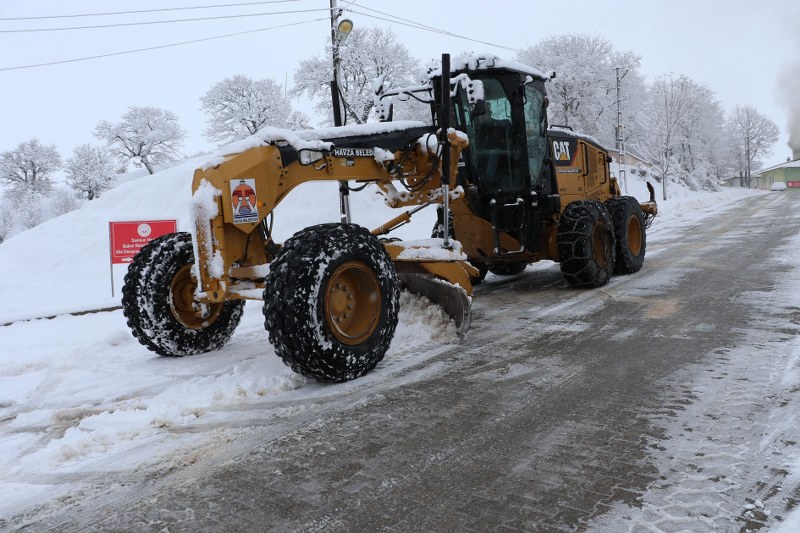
x: 365, y: 55
x: 29, y: 167
x: 751, y: 136
x: 298, y: 121
x: 61, y: 202
x: 90, y: 171
x: 675, y: 142
x: 146, y: 136
x: 583, y: 93
x: 239, y: 106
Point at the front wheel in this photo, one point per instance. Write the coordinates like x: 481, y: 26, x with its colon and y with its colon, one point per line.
x: 586, y: 244
x: 629, y: 231
x: 331, y: 302
x: 158, y: 301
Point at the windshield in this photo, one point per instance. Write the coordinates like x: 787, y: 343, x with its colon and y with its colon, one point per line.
x: 536, y: 129
x: 494, y: 144
x: 496, y: 139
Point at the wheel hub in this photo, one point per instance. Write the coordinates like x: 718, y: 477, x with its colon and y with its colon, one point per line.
x: 185, y: 309
x: 634, y: 235
x: 600, y: 244
x: 352, y: 303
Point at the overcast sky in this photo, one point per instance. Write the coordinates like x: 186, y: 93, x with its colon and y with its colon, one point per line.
x: 738, y: 48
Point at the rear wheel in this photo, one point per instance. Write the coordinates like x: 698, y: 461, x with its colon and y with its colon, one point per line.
x: 507, y: 268
x: 332, y: 301
x: 586, y: 244
x: 629, y: 231
x: 158, y: 301
x: 483, y: 269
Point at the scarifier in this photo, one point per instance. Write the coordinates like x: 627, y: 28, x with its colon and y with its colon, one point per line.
x: 330, y: 292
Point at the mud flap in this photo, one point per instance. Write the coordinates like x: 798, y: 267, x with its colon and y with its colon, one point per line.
x: 452, y: 298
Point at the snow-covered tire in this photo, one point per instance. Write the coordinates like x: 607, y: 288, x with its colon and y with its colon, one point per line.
x: 586, y: 244
x: 158, y: 301
x: 331, y: 302
x: 629, y: 232
x: 507, y: 268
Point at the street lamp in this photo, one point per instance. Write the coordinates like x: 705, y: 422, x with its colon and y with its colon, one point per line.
x: 343, y: 29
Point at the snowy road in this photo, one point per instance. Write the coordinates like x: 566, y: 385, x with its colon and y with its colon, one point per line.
x: 664, y: 401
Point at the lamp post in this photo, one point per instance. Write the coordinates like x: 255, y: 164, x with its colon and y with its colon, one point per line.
x: 340, y: 29
x: 622, y: 162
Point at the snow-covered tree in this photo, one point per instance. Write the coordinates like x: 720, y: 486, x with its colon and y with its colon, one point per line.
x: 298, y: 121
x: 239, y: 106
x: 61, y: 202
x: 7, y: 212
x: 682, y: 120
x: 90, y: 171
x: 366, y: 54
x: 29, y: 167
x: 146, y: 136
x: 583, y: 93
x: 22, y: 209
x: 750, y: 133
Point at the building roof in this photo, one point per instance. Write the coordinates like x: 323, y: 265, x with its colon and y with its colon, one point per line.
x: 788, y: 164
x: 634, y: 153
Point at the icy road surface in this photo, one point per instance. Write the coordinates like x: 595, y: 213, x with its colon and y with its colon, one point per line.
x: 665, y: 401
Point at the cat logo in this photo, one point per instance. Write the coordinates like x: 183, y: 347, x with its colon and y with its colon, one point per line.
x: 561, y: 151
x: 564, y: 151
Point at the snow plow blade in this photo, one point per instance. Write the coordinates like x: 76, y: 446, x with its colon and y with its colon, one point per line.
x: 451, y: 298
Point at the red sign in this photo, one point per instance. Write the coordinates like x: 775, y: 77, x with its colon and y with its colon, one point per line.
x: 793, y: 184
x: 127, y: 238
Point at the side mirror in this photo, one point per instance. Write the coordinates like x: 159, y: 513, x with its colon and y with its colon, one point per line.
x: 385, y: 112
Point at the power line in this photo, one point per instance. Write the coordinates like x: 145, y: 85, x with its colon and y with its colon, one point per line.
x: 412, y: 24
x: 121, y: 24
x: 143, y: 11
x: 75, y: 60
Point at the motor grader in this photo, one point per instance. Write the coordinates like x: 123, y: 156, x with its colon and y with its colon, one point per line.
x: 331, y: 291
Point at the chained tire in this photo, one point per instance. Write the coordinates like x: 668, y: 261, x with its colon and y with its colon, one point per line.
x: 586, y: 244
x: 158, y: 302
x: 507, y: 268
x: 331, y: 302
x: 629, y: 232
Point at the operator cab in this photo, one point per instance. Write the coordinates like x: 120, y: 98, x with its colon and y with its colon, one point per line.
x: 508, y: 144
x: 507, y: 172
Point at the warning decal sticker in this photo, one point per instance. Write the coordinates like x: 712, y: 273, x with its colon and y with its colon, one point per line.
x: 243, y: 198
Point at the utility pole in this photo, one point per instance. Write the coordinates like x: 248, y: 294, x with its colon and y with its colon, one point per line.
x: 623, y: 164
x: 664, y: 178
x: 747, y: 155
x: 339, y: 32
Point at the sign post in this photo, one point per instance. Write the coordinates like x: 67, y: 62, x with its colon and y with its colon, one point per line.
x: 127, y: 238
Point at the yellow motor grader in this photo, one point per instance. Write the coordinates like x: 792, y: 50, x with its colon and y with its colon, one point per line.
x: 331, y: 291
